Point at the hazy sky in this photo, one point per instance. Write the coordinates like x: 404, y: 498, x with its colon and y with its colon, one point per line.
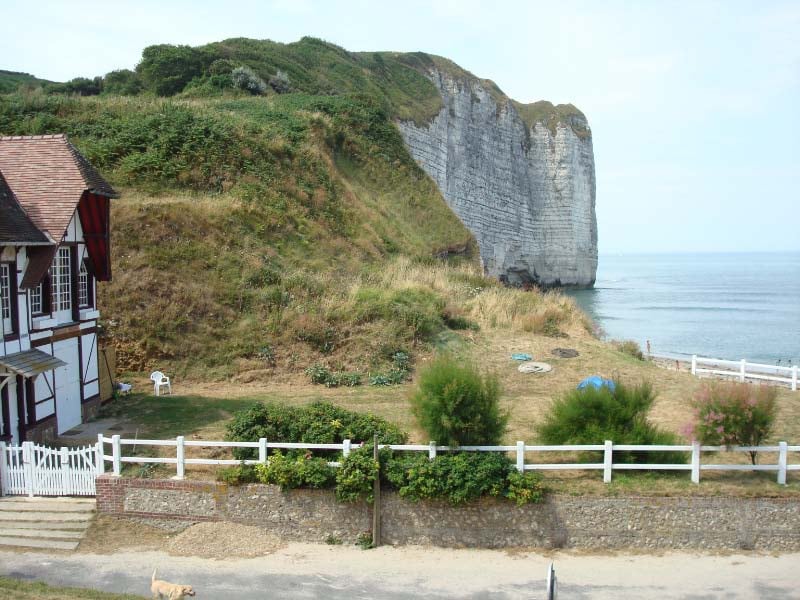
x: 694, y: 106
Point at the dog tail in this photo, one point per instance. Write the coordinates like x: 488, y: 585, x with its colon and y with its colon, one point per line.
x: 153, y: 578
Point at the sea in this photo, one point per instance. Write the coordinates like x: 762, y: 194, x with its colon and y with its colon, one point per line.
x: 730, y: 306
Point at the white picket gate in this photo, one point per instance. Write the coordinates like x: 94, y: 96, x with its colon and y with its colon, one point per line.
x: 34, y: 470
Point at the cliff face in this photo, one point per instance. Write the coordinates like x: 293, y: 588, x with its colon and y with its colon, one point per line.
x: 525, y: 190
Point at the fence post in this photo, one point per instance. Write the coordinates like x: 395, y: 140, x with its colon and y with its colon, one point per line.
x: 99, y: 452
x: 432, y: 450
x: 116, y: 453
x: 3, y: 468
x: 608, y: 456
x: 794, y: 378
x: 346, y: 448
x: 742, y: 369
x: 376, y: 496
x: 694, y: 364
x: 695, y: 462
x: 66, y: 479
x: 783, y: 448
x: 521, y: 457
x: 179, y: 454
x: 262, y: 450
x: 27, y: 459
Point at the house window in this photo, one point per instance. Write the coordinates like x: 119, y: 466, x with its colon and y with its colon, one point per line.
x: 36, y: 300
x: 83, y: 287
x: 61, y: 281
x: 5, y: 298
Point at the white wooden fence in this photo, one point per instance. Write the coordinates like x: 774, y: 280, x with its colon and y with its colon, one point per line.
x: 521, y: 451
x: 34, y: 470
x: 743, y: 370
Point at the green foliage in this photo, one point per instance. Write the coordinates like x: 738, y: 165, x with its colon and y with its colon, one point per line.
x: 11, y: 81
x: 82, y: 86
x: 290, y: 472
x: 524, y: 488
x: 321, y: 375
x: 629, y: 347
x: 456, y: 405
x: 166, y: 69
x: 356, y: 475
x: 734, y: 414
x: 398, y: 373
x: 591, y: 416
x: 319, y: 423
x: 122, y: 82
x: 244, y: 78
x: 238, y: 475
x: 460, y: 477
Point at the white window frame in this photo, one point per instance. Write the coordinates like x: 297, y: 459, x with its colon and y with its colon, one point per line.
x: 61, y: 284
x: 6, y: 307
x: 37, y: 300
x: 83, y: 286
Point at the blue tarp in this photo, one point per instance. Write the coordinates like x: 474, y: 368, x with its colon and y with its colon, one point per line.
x: 597, y: 382
x: 521, y: 356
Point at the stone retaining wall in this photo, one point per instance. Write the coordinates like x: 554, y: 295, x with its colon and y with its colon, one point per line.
x: 560, y: 521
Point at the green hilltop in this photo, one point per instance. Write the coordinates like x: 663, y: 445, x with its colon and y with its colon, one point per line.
x: 266, y: 192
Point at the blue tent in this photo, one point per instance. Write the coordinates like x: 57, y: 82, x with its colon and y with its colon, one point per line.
x: 597, y: 382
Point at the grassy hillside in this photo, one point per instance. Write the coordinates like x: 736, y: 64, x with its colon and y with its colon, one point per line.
x: 261, y: 229
x: 11, y: 81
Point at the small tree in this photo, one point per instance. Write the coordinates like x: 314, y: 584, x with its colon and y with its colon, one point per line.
x: 733, y: 414
x: 280, y: 82
x: 245, y: 78
x: 456, y: 405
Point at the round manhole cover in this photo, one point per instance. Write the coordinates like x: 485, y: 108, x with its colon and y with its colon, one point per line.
x: 564, y: 352
x: 534, y: 367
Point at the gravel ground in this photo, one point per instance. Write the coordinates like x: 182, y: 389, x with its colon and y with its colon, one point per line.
x: 223, y: 541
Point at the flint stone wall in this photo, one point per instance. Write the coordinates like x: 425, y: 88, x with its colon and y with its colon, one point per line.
x: 771, y: 524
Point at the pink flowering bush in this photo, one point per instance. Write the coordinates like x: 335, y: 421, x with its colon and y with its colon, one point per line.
x: 733, y: 414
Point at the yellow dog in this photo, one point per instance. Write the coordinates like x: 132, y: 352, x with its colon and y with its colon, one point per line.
x: 163, y: 590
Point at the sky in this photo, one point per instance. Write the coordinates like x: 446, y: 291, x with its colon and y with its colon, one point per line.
x: 693, y: 105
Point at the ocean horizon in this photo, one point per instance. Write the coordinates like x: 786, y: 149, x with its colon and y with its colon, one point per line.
x: 729, y: 305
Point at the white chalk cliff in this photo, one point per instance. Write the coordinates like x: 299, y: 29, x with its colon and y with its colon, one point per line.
x: 522, y: 180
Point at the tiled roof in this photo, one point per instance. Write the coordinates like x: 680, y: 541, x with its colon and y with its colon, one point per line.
x: 15, y: 226
x: 48, y: 176
x: 30, y: 363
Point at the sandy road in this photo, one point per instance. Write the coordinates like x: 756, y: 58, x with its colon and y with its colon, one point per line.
x: 341, y: 572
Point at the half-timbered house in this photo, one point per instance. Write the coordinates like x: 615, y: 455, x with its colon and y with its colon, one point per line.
x: 54, y: 247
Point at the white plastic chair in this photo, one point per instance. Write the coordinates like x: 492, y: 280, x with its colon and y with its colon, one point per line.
x: 160, y: 380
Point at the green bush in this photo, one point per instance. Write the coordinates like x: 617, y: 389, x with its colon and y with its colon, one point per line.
x: 356, y: 475
x: 629, y: 347
x: 591, y: 416
x: 734, y: 414
x: 318, y: 423
x: 166, y: 69
x: 398, y: 373
x: 321, y: 375
x: 290, y: 472
x: 456, y: 405
x: 524, y: 488
x: 238, y: 475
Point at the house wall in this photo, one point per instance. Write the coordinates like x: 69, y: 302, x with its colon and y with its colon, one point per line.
x: 69, y: 395
x: 692, y: 522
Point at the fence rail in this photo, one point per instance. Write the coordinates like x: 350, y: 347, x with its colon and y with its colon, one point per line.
x: 743, y: 370
x: 521, y: 450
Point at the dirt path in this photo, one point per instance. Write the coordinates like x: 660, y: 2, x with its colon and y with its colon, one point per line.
x: 342, y: 572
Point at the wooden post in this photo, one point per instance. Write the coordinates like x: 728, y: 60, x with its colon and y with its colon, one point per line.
x: 180, y: 456
x: 262, y: 450
x: 794, y: 378
x: 782, y: 460
x: 116, y: 455
x: 695, y: 462
x: 99, y: 452
x: 432, y: 450
x: 376, y: 492
x: 27, y: 466
x: 66, y: 479
x: 521, y: 457
x: 608, y: 456
x: 694, y: 364
x: 742, y: 370
x: 3, y: 468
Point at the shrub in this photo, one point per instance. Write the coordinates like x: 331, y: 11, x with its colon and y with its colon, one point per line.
x: 630, y: 348
x: 591, y: 416
x: 246, y: 79
x: 123, y: 82
x: 734, y: 414
x: 238, y: 475
x: 356, y: 475
x: 399, y: 372
x: 280, y: 82
x: 166, y: 69
x: 456, y: 405
x: 319, y: 423
x: 290, y: 472
x: 321, y: 375
x: 524, y: 488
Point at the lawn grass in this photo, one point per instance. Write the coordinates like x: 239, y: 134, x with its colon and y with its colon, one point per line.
x: 33, y: 590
